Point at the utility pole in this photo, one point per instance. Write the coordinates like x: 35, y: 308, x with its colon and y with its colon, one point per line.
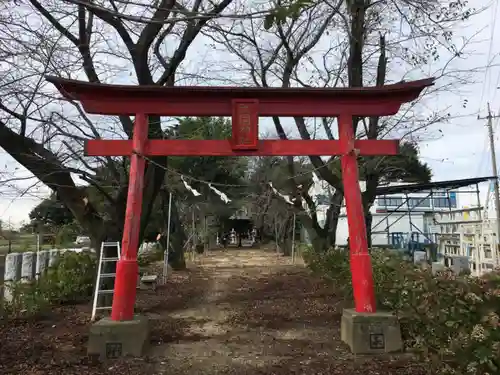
x: 496, y: 187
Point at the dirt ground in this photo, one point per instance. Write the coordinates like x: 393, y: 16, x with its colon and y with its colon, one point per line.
x: 234, y: 312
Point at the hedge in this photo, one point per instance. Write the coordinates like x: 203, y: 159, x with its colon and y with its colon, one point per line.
x: 451, y: 321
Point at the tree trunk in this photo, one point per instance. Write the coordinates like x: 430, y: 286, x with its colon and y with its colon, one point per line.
x: 177, y: 240
x: 177, y: 235
x: 318, y: 242
x: 285, y: 236
x: 325, y: 238
x: 368, y: 223
x: 332, y: 218
x: 369, y: 196
x: 108, y: 231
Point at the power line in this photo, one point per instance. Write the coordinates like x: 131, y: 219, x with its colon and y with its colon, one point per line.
x: 486, y: 145
x: 496, y: 191
x: 490, y: 50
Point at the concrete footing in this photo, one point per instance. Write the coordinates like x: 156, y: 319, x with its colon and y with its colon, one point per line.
x: 371, y: 333
x: 111, y: 339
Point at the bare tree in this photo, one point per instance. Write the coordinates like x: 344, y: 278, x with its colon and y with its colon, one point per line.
x: 271, y: 214
x: 332, y: 43
x: 91, y: 41
x: 350, y: 44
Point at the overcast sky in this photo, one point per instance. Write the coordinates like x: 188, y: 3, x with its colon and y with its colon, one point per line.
x: 461, y: 150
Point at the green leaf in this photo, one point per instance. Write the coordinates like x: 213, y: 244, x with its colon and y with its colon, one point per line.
x: 281, y: 15
x: 269, y: 21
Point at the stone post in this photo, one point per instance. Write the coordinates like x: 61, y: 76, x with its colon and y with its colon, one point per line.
x: 42, y: 263
x: 53, y: 256
x: 28, y: 266
x: 12, y: 273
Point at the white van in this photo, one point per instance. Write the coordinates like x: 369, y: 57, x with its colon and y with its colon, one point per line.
x: 82, y: 240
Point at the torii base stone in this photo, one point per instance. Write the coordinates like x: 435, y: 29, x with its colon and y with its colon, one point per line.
x: 110, y: 339
x: 371, y: 333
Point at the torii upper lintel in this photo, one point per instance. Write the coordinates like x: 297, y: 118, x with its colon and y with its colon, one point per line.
x: 218, y: 101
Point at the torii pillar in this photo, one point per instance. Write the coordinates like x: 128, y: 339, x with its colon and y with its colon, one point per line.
x: 246, y: 105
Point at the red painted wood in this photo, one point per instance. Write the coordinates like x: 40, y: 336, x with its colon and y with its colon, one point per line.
x: 361, y: 268
x: 214, y: 108
x: 225, y: 148
x: 245, y: 124
x: 127, y: 268
x: 217, y: 101
x: 220, y: 101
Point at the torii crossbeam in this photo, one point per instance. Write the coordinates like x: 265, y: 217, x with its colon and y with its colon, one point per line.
x: 245, y: 105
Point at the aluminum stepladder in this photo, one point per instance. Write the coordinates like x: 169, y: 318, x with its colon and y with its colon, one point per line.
x: 106, y: 274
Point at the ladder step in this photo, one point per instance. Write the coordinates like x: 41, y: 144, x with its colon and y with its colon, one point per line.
x: 107, y: 275
x: 110, y: 253
x: 106, y: 291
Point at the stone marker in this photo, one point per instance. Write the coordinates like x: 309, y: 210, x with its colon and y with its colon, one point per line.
x: 460, y: 264
x: 371, y: 333
x: 146, y: 247
x: 12, y: 273
x: 437, y: 267
x: 53, y: 256
x: 419, y: 257
x: 28, y: 266
x: 42, y: 263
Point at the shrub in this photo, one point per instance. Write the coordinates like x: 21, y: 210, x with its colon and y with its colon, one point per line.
x: 71, y: 280
x: 333, y: 264
x: 25, y: 245
x: 200, y: 248
x: 451, y: 321
x: 153, y: 255
x: 66, y: 235
x: 28, y: 299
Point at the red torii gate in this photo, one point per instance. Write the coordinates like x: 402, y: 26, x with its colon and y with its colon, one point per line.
x: 245, y: 105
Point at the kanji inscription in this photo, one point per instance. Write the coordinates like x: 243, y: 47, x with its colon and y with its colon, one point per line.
x: 113, y: 350
x: 245, y: 124
x: 377, y: 341
x: 244, y: 131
